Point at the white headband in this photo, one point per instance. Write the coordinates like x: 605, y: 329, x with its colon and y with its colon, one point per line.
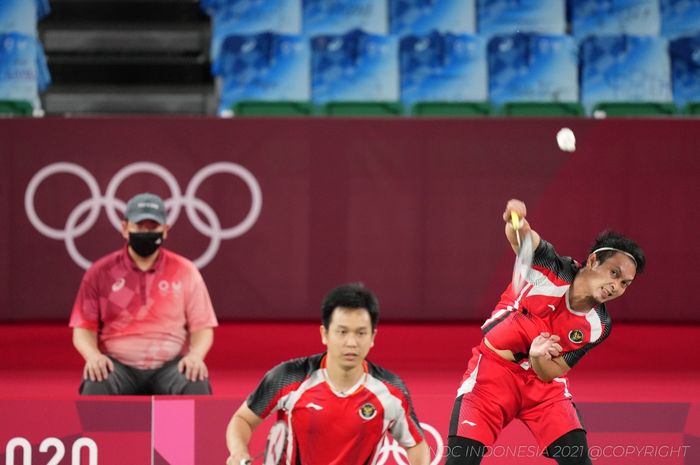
x: 603, y: 249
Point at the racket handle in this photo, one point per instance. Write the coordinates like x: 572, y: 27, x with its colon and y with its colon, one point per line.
x: 514, y: 220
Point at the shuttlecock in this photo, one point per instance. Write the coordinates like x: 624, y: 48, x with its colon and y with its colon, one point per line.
x: 566, y: 140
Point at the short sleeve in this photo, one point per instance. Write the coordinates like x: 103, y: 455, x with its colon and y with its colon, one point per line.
x: 199, y: 308
x: 86, y: 309
x: 278, y: 382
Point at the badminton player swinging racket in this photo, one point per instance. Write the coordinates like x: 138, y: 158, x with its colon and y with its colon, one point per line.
x: 534, y: 336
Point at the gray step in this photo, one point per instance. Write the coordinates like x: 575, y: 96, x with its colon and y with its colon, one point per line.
x: 125, y: 38
x: 91, y: 100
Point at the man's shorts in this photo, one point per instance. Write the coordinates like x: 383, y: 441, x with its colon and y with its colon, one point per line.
x: 494, y: 391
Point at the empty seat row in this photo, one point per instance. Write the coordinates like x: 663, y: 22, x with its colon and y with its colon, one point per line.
x: 458, y: 109
x: 668, y: 18
x: 360, y: 67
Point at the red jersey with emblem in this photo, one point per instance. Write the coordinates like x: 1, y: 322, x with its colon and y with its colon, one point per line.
x: 327, y: 427
x: 543, y: 306
x: 143, y: 317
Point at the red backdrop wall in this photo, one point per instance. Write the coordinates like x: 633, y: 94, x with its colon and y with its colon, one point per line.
x: 410, y: 207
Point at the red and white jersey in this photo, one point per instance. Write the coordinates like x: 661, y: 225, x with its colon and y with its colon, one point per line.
x: 543, y: 306
x: 327, y: 427
x: 143, y: 317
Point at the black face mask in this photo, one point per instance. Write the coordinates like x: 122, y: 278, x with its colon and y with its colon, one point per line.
x: 145, y: 243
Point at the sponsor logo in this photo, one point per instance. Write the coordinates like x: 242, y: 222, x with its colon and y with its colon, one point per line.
x: 118, y: 285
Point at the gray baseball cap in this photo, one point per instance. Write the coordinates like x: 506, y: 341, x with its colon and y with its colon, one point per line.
x: 145, y: 206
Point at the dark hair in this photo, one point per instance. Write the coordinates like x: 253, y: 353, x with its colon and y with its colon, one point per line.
x: 614, y: 239
x: 351, y: 295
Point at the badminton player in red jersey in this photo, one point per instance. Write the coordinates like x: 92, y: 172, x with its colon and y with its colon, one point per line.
x: 336, y: 407
x: 532, y: 340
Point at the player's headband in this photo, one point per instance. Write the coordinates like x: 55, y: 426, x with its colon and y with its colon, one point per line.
x: 603, y: 249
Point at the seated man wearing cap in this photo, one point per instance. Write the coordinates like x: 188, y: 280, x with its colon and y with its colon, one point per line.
x: 143, y: 320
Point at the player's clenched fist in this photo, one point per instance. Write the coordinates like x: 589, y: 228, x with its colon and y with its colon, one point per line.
x: 545, y: 345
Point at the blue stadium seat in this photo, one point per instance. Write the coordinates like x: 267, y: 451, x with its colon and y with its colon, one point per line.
x: 521, y: 16
x: 424, y: 16
x: 22, y: 16
x: 23, y: 70
x: 685, y: 70
x: 443, y: 68
x: 680, y: 18
x: 615, y: 17
x: 332, y: 17
x: 625, y: 69
x: 354, y: 67
x: 245, y: 17
x: 267, y: 66
x: 532, y: 68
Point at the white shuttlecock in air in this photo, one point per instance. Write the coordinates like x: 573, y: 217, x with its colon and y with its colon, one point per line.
x: 566, y: 140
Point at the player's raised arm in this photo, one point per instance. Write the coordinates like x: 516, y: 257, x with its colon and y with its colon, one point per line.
x: 238, y: 434
x: 519, y: 208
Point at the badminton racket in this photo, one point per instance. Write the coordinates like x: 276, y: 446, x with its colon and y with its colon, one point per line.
x: 274, y: 448
x: 523, y: 260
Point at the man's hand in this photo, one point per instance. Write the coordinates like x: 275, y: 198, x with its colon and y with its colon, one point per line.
x: 545, y: 345
x: 517, y: 206
x: 97, y: 367
x: 194, y: 368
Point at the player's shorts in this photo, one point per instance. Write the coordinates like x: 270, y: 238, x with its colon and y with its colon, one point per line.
x: 494, y: 391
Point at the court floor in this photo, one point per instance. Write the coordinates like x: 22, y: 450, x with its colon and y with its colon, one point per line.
x: 639, y: 392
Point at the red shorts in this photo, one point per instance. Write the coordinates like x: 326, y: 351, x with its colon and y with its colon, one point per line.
x: 494, y: 391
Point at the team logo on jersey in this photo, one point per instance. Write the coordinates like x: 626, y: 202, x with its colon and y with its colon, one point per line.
x: 576, y: 336
x: 368, y: 411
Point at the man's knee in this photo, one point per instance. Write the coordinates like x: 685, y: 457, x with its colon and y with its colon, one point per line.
x: 120, y: 381
x: 170, y: 381
x: 464, y: 451
x: 109, y: 387
x: 97, y: 388
x: 197, y: 388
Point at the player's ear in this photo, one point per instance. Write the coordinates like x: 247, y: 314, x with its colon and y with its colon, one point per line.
x: 374, y: 334
x: 324, y: 335
x: 166, y: 228
x: 125, y: 230
x: 592, y: 261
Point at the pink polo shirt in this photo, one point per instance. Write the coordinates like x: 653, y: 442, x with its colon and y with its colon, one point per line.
x: 143, y: 318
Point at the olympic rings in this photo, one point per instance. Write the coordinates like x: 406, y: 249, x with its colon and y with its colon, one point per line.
x: 112, y: 205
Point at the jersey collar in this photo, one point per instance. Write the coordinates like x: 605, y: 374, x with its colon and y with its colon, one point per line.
x: 347, y: 392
